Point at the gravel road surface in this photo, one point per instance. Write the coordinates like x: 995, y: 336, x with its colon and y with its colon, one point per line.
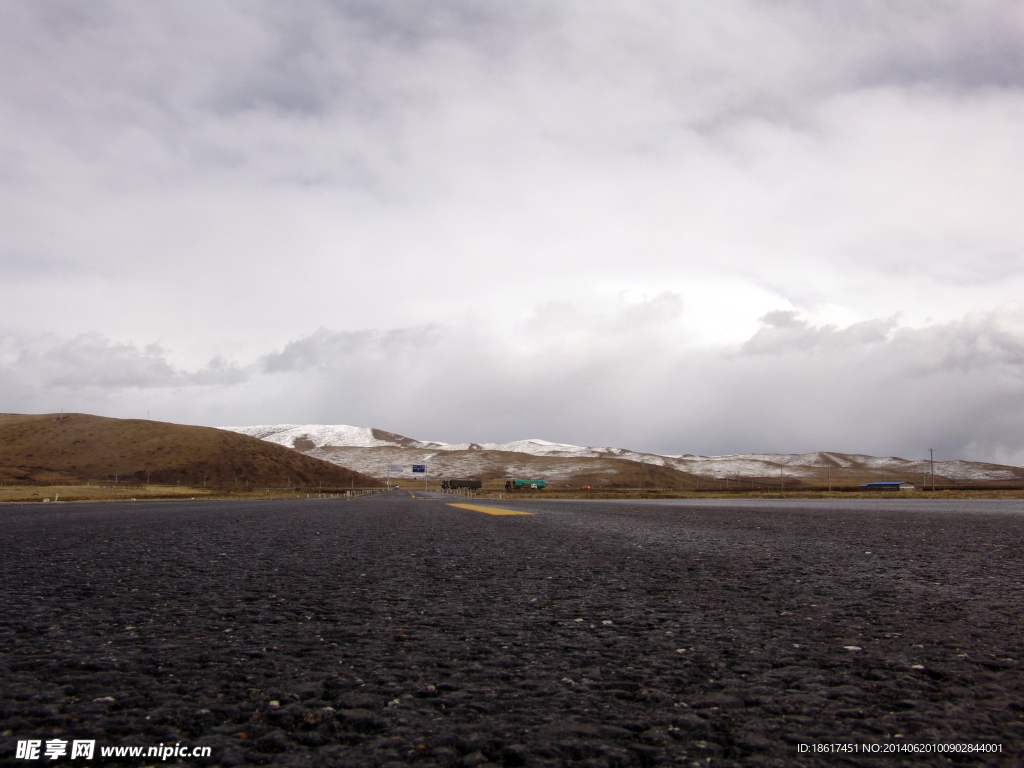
x: 392, y: 630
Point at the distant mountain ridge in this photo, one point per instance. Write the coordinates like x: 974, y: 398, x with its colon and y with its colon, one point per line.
x: 339, y: 443
x: 344, y: 435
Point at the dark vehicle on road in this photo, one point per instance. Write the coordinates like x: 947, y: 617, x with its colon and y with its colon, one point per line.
x: 470, y: 484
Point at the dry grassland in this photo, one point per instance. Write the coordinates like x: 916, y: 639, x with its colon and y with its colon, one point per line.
x: 84, y: 493
x: 68, y: 493
x: 71, y: 449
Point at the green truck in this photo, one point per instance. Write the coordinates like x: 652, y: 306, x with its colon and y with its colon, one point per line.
x: 518, y: 485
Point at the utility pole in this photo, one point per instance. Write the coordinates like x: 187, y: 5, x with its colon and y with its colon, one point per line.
x: 830, y: 478
x: 931, y: 453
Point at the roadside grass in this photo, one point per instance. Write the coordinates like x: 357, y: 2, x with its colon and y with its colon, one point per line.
x: 23, y: 493
x: 19, y: 494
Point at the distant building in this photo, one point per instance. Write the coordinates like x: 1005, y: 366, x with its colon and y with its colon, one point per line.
x: 895, y: 485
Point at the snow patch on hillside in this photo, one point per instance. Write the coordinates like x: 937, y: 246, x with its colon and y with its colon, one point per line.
x: 318, y: 439
x: 318, y: 434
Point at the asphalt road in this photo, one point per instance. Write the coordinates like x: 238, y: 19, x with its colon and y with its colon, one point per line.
x: 391, y: 630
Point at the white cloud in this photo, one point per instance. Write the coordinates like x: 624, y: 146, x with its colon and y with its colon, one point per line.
x: 784, y: 332
x: 871, y: 387
x: 329, y: 350
x: 92, y: 361
x: 509, y: 181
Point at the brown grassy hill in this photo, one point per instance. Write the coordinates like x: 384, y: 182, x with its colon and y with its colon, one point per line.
x: 76, y: 447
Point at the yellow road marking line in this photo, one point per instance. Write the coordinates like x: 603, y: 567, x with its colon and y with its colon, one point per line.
x: 489, y: 510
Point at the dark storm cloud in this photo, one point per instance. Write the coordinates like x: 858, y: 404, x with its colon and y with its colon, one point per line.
x: 960, y: 46
x: 982, y: 341
x: 366, y: 60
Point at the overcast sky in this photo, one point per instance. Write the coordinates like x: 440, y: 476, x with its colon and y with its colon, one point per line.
x: 682, y: 227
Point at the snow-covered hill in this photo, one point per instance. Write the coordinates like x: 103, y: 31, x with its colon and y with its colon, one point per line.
x: 345, y: 436
x: 318, y: 434
x: 370, y: 451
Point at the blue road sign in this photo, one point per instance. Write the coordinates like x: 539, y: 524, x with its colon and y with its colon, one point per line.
x: 419, y: 467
